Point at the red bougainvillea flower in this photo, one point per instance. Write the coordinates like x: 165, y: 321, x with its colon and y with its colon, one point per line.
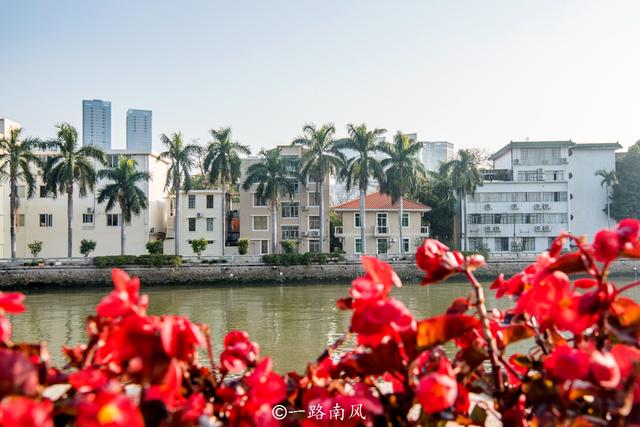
x: 180, y: 337
x: 627, y: 359
x: 239, y: 352
x: 382, y: 320
x: 608, y: 244
x: 17, y: 411
x: 125, y: 299
x: 11, y: 302
x: 266, y: 387
x: 108, y: 410
x: 376, y: 284
x: 437, y: 261
x: 88, y: 379
x: 168, y: 390
x: 436, y: 392
x: 568, y: 363
x: 135, y: 337
x: 604, y: 369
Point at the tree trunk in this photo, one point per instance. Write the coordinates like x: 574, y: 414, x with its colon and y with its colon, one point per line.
x: 363, y: 195
x: 122, y: 233
x: 176, y: 222
x: 321, y: 182
x: 401, y: 213
x: 69, y: 220
x: 608, y: 209
x: 274, y: 234
x: 224, y: 218
x: 13, y: 207
x: 464, y: 222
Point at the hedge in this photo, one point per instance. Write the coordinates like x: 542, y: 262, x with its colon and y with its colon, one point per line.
x: 156, y: 260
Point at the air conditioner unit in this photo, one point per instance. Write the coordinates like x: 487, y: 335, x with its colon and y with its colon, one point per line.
x: 538, y: 228
x: 546, y: 206
x: 487, y: 229
x: 514, y: 207
x: 90, y: 210
x: 305, y: 234
x: 314, y: 233
x: 563, y: 161
x: 305, y: 207
x: 496, y: 228
x: 487, y: 207
x: 546, y: 228
x: 199, y: 215
x: 516, y: 161
x: 537, y: 207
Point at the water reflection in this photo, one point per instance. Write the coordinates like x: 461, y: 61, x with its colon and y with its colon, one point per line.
x: 292, y: 323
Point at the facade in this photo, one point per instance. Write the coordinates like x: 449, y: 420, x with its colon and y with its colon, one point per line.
x: 45, y: 218
x: 96, y: 123
x: 199, y: 218
x: 139, y: 130
x: 297, y: 218
x: 434, y: 153
x: 6, y: 126
x: 381, y: 222
x: 535, y: 190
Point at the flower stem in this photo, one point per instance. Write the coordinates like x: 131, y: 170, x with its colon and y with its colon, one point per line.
x: 486, y: 330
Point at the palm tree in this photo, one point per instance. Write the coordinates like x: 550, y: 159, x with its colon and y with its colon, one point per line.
x: 222, y: 164
x: 271, y: 175
x: 466, y: 178
x: 361, y: 165
x: 16, y: 157
x: 609, y: 179
x: 402, y: 170
x: 72, y: 164
x: 182, y: 158
x: 124, y: 191
x: 321, y: 159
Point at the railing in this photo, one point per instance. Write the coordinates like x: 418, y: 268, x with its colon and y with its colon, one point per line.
x: 381, y: 230
x: 496, y: 175
x: 424, y: 230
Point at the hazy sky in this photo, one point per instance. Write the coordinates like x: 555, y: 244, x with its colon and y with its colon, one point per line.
x: 476, y: 73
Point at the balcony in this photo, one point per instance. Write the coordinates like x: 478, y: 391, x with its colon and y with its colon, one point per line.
x: 424, y: 230
x: 496, y: 175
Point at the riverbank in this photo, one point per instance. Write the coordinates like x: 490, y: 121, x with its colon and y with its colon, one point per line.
x: 73, y: 275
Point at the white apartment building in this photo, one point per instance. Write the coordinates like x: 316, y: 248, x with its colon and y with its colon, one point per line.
x: 45, y: 218
x: 297, y: 218
x: 199, y: 218
x: 535, y: 190
x: 6, y: 126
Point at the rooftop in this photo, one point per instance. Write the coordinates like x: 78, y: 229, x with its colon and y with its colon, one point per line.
x: 379, y: 201
x: 553, y: 144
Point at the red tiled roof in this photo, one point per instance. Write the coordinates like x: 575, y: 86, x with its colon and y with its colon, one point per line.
x: 378, y: 201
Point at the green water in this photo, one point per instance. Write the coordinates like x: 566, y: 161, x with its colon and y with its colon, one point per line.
x: 292, y: 323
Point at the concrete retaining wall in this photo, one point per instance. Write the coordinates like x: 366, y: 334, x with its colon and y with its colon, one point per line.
x: 48, y: 276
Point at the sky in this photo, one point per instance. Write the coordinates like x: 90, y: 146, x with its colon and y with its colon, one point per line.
x: 476, y: 73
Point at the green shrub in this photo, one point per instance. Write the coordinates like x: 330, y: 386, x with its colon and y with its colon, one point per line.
x: 155, y: 247
x: 199, y: 245
x: 35, y: 247
x: 289, y: 246
x: 243, y: 245
x: 155, y: 260
x: 87, y: 246
x: 295, y: 259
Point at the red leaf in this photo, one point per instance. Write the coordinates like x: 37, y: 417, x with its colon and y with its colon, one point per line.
x: 513, y: 333
x: 569, y: 263
x: 439, y: 329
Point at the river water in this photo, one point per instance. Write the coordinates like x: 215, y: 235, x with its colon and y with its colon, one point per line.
x: 292, y: 323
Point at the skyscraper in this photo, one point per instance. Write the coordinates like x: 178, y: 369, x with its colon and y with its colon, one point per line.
x: 436, y: 152
x: 96, y: 123
x: 139, y: 130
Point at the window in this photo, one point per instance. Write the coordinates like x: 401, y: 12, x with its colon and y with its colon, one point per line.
x: 382, y: 245
x: 87, y: 218
x: 264, y: 247
x: 290, y: 209
x: 43, y: 192
x: 405, y: 245
x: 529, y: 244
x: 314, y: 223
x: 114, y: 159
x: 405, y: 219
x: 290, y: 232
x: 209, y: 201
x: 259, y: 201
x: 192, y: 224
x: 113, y: 220
x: 192, y: 201
x: 314, y: 246
x: 357, y: 245
x: 356, y: 220
x: 502, y: 244
x: 295, y: 184
x: 475, y: 243
x: 314, y: 199
x: 209, y: 224
x: 20, y: 222
x: 381, y: 223
x: 260, y: 223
